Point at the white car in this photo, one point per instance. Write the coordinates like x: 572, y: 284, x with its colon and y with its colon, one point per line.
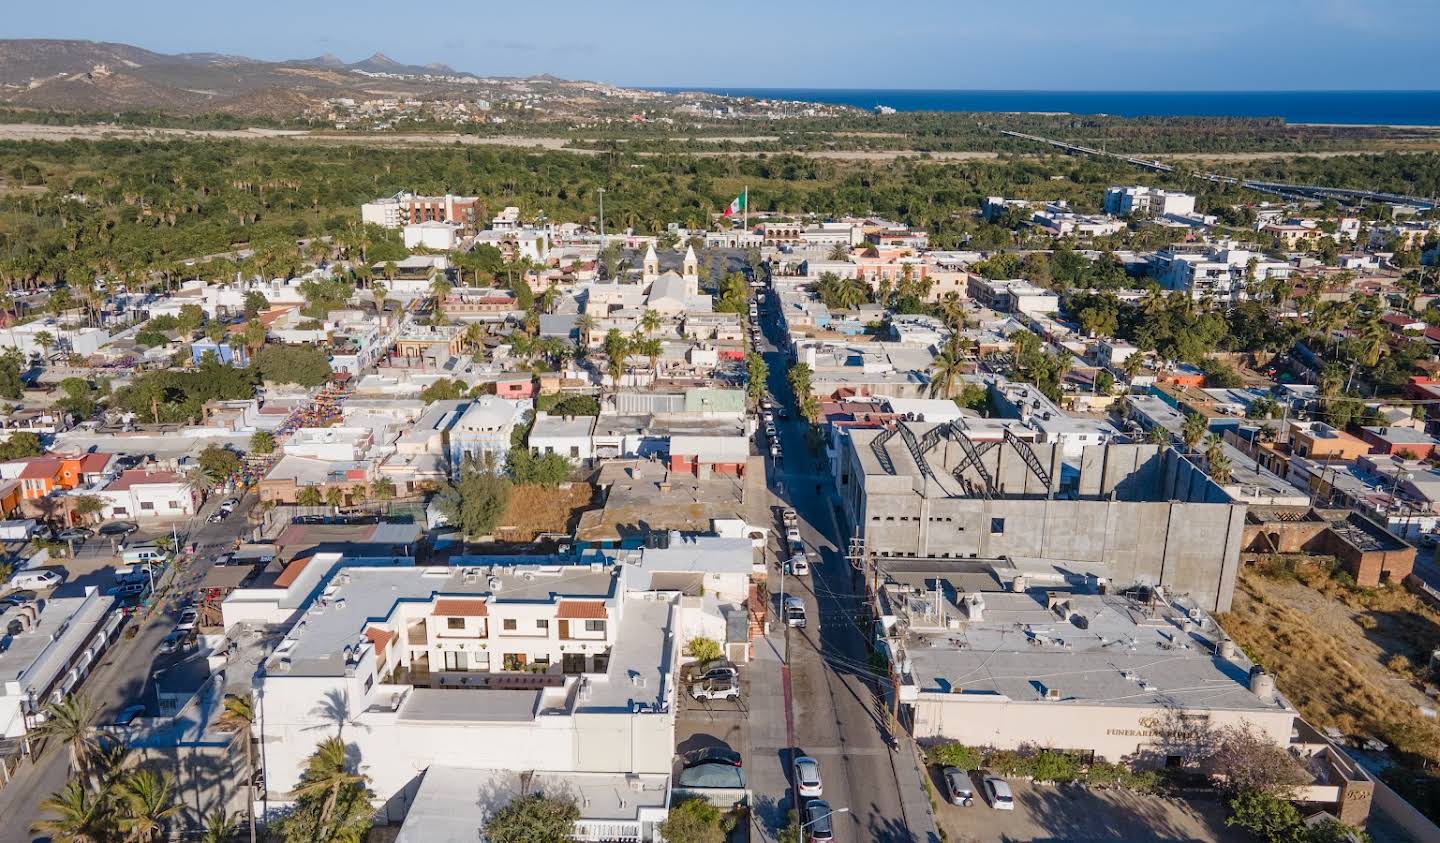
x: 798, y: 565
x: 1001, y: 799
x: 716, y: 689
x: 188, y: 619
x: 807, y: 778
x: 794, y: 612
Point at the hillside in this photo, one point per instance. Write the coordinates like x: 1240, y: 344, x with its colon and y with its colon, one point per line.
x: 72, y: 75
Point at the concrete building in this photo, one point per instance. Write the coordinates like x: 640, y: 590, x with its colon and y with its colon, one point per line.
x: 1222, y: 273
x: 484, y: 430
x: 997, y: 653
x: 146, y: 494
x: 408, y: 209
x: 1134, y: 514
x: 433, y: 234
x: 1148, y: 202
x: 548, y: 668
x: 50, y: 647
x: 1013, y: 296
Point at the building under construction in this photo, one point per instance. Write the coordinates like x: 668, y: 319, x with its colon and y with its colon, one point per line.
x: 1133, y: 514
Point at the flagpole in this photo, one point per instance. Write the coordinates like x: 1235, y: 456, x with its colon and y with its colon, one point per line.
x: 747, y: 208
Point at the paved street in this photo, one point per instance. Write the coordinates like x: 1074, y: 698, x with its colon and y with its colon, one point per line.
x: 826, y: 705
x: 121, y: 678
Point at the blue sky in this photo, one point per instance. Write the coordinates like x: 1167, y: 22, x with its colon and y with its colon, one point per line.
x: 965, y: 44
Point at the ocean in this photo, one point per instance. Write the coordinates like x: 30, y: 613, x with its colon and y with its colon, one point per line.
x: 1408, y: 108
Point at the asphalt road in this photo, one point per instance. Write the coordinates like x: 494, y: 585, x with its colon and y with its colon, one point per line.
x: 122, y: 677
x: 832, y: 711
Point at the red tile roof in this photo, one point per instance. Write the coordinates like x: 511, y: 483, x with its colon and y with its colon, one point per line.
x: 95, y: 463
x: 582, y: 610
x: 40, y: 468
x: 380, y: 637
x: 292, y: 572
x: 462, y: 608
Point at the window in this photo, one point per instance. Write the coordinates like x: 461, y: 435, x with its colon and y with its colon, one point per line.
x: 997, y: 526
x: 456, y: 661
x: 574, y: 452
x: 508, y: 624
x: 174, y: 504
x: 454, y: 623
x: 147, y: 506
x: 543, y: 625
x: 594, y: 626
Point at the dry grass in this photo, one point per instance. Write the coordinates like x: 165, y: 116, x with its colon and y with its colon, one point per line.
x: 1343, y: 656
x: 535, y: 509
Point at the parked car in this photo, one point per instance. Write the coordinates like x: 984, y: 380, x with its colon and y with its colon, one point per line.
x: 795, y: 612
x: 74, y: 534
x: 959, y: 790
x: 714, y: 669
x: 1001, y: 799
x: 126, y: 717
x: 789, y: 517
x: 188, y: 619
x: 118, y: 528
x: 798, y: 565
x: 711, y: 754
x: 819, y: 821
x: 217, y: 516
x: 132, y: 588
x: 35, y: 580
x: 229, y: 504
x: 172, y: 642
x: 716, y: 689
x: 223, y: 559
x: 807, y: 778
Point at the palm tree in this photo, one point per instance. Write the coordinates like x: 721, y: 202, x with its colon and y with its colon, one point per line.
x: 1159, y: 436
x: 239, y: 715
x: 72, y: 722
x: 253, y: 336
x: 650, y: 321
x: 949, y: 365
x: 650, y: 348
x: 149, y: 802
x: 474, y: 334
x: 1193, y: 430
x: 78, y: 816
x: 219, y: 828
x: 382, y: 488
x: 584, y: 324
x: 46, y: 341
x: 440, y: 287
x: 1132, y: 365
x: 617, y: 349
x: 1220, y: 470
x: 327, y: 774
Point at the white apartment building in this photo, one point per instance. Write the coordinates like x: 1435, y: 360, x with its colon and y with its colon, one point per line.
x: 329, y: 443
x: 550, y: 668
x: 436, y: 235
x: 27, y: 338
x: 50, y: 647
x: 1148, y: 202
x: 1221, y: 272
x: 146, y: 494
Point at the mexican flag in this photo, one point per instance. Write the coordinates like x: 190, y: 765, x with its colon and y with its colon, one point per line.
x: 738, y: 205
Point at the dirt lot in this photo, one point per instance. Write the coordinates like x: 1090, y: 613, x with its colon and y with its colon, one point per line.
x: 534, y: 510
x: 1348, y: 658
x: 1074, y: 813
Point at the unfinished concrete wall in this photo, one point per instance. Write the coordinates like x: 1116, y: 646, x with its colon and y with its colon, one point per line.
x: 1190, y: 548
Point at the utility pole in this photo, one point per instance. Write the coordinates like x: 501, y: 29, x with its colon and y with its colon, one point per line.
x: 601, y: 191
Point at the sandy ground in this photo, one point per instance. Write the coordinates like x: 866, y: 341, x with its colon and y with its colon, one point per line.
x: 37, y: 132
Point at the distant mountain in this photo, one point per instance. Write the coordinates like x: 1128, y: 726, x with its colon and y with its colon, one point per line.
x: 89, y: 75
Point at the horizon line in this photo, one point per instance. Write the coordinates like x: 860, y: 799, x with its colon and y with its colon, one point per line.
x: 721, y: 88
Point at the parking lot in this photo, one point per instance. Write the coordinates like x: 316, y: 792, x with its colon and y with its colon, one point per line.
x: 1075, y: 813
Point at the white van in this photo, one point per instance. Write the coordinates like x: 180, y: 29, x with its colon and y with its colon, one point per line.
x: 34, y: 580
x: 144, y: 554
x: 128, y: 573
